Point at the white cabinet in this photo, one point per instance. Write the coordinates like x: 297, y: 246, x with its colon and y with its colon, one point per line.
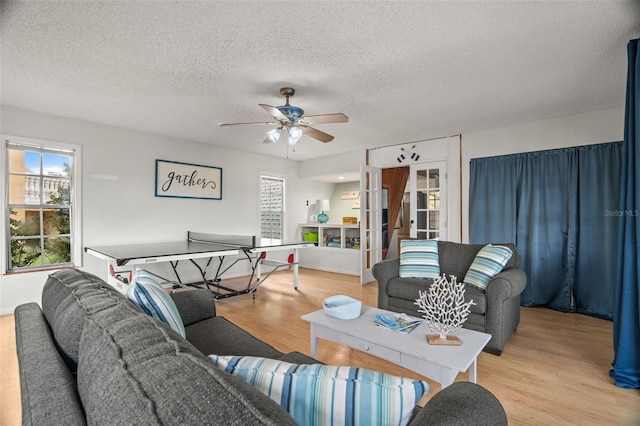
x: 337, y: 247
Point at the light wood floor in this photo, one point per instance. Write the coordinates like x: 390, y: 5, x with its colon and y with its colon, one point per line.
x: 554, y: 370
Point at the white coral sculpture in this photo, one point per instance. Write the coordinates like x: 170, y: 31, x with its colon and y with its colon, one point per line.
x: 443, y: 306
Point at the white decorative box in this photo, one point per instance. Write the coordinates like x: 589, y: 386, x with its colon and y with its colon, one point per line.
x: 342, y: 307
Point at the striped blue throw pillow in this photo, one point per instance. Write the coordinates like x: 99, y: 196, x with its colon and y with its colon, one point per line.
x: 488, y: 263
x: 419, y: 259
x: 317, y: 394
x: 153, y: 300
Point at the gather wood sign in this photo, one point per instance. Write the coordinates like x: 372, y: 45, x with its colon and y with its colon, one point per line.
x: 184, y: 180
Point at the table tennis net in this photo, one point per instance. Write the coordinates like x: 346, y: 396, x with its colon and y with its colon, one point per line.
x: 243, y: 241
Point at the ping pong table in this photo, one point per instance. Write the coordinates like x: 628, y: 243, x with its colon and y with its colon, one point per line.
x: 199, y: 245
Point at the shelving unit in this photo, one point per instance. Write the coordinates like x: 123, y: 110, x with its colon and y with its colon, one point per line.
x: 332, y: 235
x: 337, y: 247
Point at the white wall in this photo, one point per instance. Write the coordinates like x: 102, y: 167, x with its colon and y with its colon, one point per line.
x: 348, y: 162
x: 118, y: 202
x: 341, y: 208
x: 575, y: 130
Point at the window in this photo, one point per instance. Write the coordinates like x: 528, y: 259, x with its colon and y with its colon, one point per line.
x: 271, y: 207
x: 40, y: 211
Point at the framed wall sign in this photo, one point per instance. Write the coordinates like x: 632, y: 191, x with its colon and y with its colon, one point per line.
x: 184, y: 180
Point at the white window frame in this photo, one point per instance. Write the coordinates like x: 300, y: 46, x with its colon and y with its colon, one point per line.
x: 284, y: 202
x: 76, y: 210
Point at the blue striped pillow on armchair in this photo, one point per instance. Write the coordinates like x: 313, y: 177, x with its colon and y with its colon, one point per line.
x: 488, y: 263
x: 419, y: 259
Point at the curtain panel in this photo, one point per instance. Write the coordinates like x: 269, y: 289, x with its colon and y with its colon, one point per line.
x: 561, y: 209
x: 626, y: 321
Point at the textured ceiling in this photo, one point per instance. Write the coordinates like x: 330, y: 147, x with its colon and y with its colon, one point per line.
x: 402, y: 71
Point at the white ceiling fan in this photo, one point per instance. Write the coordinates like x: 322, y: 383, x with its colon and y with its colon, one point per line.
x: 291, y: 121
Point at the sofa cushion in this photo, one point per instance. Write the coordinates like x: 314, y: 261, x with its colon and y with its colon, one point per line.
x: 68, y: 296
x: 218, y: 335
x: 322, y: 394
x: 152, y: 299
x: 407, y: 290
x: 488, y: 263
x: 455, y: 258
x: 194, y: 304
x: 134, y: 369
x: 419, y: 259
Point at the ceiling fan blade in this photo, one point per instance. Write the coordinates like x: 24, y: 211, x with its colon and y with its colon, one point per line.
x: 275, y: 112
x: 256, y: 123
x: 316, y: 134
x: 325, y: 118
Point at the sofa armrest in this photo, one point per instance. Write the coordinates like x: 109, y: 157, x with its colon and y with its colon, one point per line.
x: 383, y: 271
x: 462, y: 403
x: 48, y: 389
x: 505, y: 285
x: 194, y: 305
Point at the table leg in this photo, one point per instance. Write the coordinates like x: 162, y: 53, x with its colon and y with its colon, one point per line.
x: 447, y: 377
x: 314, y: 341
x: 473, y: 371
x: 295, y: 268
x: 258, y: 268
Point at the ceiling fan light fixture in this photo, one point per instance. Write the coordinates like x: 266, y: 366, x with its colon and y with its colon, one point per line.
x: 274, y: 134
x: 295, y: 133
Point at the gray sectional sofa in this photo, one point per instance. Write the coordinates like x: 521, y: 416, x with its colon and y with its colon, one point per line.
x: 89, y: 356
x: 496, y: 310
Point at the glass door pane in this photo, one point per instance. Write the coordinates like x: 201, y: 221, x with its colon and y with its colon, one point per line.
x: 427, y: 195
x: 370, y: 220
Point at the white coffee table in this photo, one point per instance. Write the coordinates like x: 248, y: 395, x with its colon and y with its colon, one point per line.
x: 437, y: 362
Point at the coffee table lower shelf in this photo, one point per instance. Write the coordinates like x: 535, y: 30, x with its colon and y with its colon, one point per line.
x: 437, y: 362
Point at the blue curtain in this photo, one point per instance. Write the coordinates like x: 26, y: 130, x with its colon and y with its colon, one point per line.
x: 559, y: 208
x: 597, y: 229
x: 492, y: 184
x: 626, y: 322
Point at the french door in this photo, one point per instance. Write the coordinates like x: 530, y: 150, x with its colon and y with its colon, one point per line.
x: 370, y: 220
x: 427, y: 194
